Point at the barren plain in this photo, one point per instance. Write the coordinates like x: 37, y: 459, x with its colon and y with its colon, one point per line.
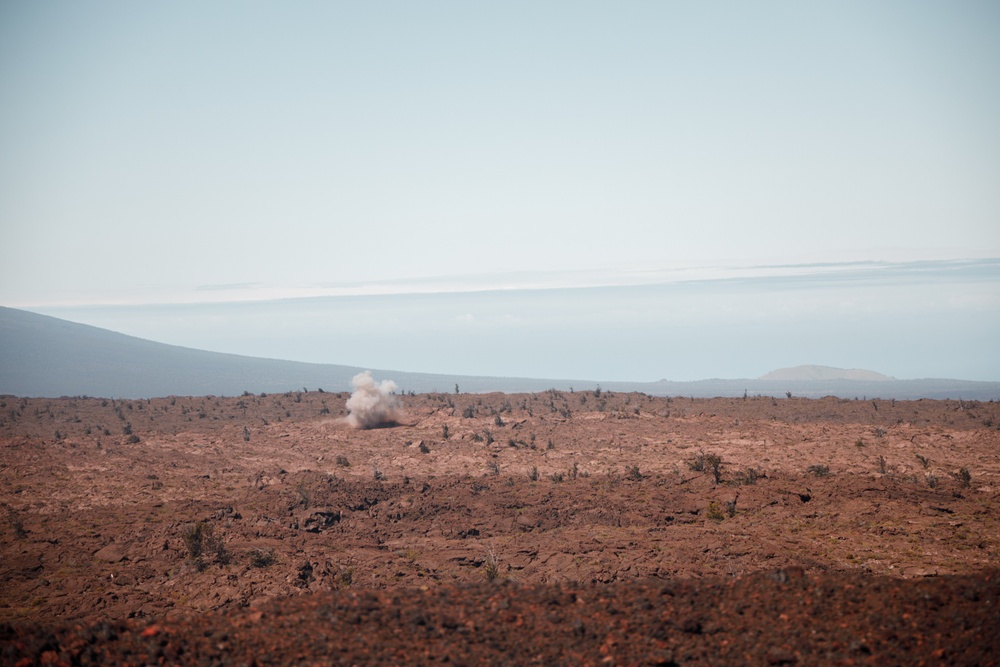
x: 579, y: 527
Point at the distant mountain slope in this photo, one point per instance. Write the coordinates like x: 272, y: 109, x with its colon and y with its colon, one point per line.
x: 46, y: 356
x: 807, y: 373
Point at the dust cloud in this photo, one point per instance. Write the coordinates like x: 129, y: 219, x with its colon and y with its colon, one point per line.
x: 372, y: 403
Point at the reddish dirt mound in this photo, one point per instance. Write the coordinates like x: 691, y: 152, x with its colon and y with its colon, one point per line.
x: 783, y: 617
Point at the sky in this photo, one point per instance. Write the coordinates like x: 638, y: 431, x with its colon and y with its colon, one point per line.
x: 180, y: 153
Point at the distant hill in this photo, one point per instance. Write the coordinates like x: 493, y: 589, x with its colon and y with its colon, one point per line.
x: 47, y: 356
x: 808, y: 373
x: 898, y: 389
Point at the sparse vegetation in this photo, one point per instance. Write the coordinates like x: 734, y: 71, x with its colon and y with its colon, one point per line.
x: 194, y: 539
x: 963, y: 477
x: 16, y: 524
x: 262, y: 557
x: 201, y: 540
x: 731, y: 507
x: 304, y: 493
x: 714, y: 512
x: 747, y: 477
x: 491, y: 565
x: 707, y: 462
x: 183, y: 471
x: 217, y: 546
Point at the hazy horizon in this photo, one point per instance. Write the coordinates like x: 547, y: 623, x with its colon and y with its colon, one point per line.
x: 628, y: 192
x: 740, y: 325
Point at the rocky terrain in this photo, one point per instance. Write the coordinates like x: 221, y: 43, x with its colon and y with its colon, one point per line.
x: 574, y: 527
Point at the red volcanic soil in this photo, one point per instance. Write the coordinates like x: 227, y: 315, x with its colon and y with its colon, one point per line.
x: 553, y: 528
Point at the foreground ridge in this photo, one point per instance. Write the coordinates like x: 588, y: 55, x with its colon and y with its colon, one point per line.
x: 779, y: 617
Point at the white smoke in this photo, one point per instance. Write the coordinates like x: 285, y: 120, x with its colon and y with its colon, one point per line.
x: 372, y: 403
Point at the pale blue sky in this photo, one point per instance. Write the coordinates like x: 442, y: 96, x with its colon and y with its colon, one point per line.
x: 151, y: 150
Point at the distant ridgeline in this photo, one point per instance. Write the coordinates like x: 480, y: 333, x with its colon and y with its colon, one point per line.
x: 898, y: 389
x: 47, y: 356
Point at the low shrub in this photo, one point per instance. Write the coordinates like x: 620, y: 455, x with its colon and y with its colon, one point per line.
x: 262, y: 557
x: 747, y: 477
x: 714, y: 512
x: 707, y: 462
x: 963, y: 477
x: 491, y: 565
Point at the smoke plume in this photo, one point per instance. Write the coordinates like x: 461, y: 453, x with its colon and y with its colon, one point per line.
x: 372, y: 403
